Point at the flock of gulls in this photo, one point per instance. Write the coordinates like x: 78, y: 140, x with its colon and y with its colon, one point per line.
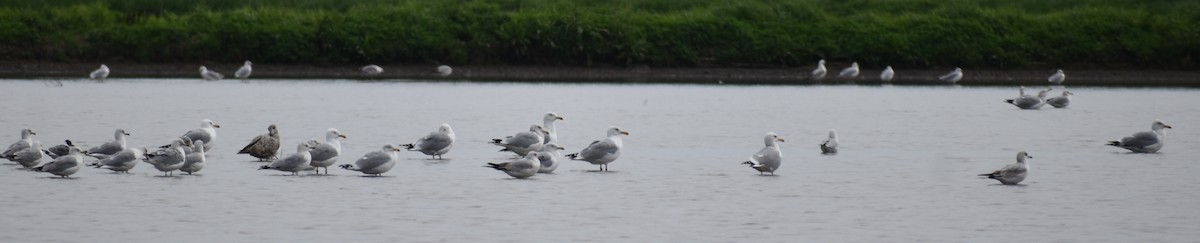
x: 537, y: 149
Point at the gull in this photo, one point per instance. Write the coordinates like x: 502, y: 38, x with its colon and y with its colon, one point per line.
x: 435, y: 144
x: 170, y: 158
x: 548, y: 157
x: 59, y: 150
x: 768, y: 158
x: 1058, y: 77
x: 244, y: 71
x: 1029, y: 102
x: 523, y: 142
x: 210, y: 75
x: 953, y: 76
x: 548, y: 124
x: 120, y: 162
x: 521, y: 168
x: 887, y: 74
x: 325, y: 154
x: 376, y: 162
x: 1144, y: 142
x: 604, y: 151
x: 830, y: 146
x: 292, y: 163
x: 28, y: 157
x: 207, y: 133
x: 850, y: 72
x: 1013, y: 173
x: 1061, y: 101
x: 110, y: 148
x: 371, y: 69
x: 819, y: 73
x: 100, y: 73
x: 25, y: 142
x: 444, y: 70
x: 264, y: 147
x: 64, y: 166
x: 194, y: 161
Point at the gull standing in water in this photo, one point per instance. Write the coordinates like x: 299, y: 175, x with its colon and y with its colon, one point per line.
x: 371, y: 70
x: 768, y: 158
x: 64, y: 166
x: 548, y: 157
x: 294, y: 163
x: 100, y: 73
x: 1058, y: 77
x: 207, y: 133
x: 1029, y: 102
x: 953, y: 76
x: 194, y: 161
x: 210, y: 75
x: 521, y: 168
x: 1061, y: 101
x: 1144, y: 142
x: 850, y: 72
x: 444, y: 70
x: 110, y: 148
x: 170, y: 158
x: 887, y: 74
x: 551, y: 130
x: 120, y: 162
x: 1013, y: 173
x: 604, y: 151
x: 376, y: 162
x: 435, y: 144
x: 523, y: 142
x: 325, y: 154
x: 244, y: 71
x: 830, y: 146
x: 26, y: 141
x: 264, y: 147
x: 819, y: 72
x: 28, y: 157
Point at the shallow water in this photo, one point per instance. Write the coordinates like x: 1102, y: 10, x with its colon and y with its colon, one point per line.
x: 906, y: 171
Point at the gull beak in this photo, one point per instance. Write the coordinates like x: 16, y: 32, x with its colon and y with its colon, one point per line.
x: 558, y: 118
x: 32, y: 133
x: 561, y: 148
x: 216, y: 126
x: 624, y: 132
x: 341, y: 135
x: 127, y: 134
x: 1167, y: 126
x: 780, y: 139
x: 397, y: 149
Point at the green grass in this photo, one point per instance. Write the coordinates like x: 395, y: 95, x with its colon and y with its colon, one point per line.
x: 903, y: 33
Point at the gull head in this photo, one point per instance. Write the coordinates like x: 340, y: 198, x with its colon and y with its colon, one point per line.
x: 550, y: 116
x: 209, y: 123
x: 247, y: 63
x: 121, y: 132
x: 614, y: 131
x: 538, y: 129
x: 272, y: 130
x: 391, y: 148
x: 333, y: 133
x: 771, y: 138
x: 445, y: 128
x: 203, y: 69
x: 26, y: 132
x: 1159, y: 125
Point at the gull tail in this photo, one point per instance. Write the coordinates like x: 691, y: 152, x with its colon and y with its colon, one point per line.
x: 496, y: 141
x: 572, y: 156
x: 992, y: 175
x: 349, y: 167
x: 408, y: 146
x: 1010, y: 101
x: 499, y: 166
x: 97, y: 165
x: 1114, y: 143
x: 39, y: 168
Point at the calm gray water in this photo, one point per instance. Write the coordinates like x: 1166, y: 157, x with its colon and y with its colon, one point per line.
x: 906, y: 171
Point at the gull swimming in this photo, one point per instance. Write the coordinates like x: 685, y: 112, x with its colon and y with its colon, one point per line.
x: 953, y: 76
x: 292, y: 163
x: 1013, y: 173
x: 604, y: 151
x: 376, y: 162
x: 830, y: 146
x: 523, y: 142
x: 26, y: 141
x: 59, y: 150
x: 28, y: 157
x: 113, y: 147
x: 548, y: 124
x: 120, y: 162
x: 1029, y: 102
x: 435, y: 144
x: 887, y: 74
x: 100, y: 73
x: 64, y: 166
x: 210, y: 75
x: 819, y: 72
x: 444, y: 70
x: 244, y: 71
x: 194, y: 161
x: 768, y: 158
x: 170, y: 158
x: 521, y: 168
x: 371, y: 69
x: 549, y: 157
x: 850, y: 72
x: 1144, y: 142
x: 1058, y: 77
x: 1061, y: 101
x: 207, y: 133
x: 325, y: 154
x: 265, y: 146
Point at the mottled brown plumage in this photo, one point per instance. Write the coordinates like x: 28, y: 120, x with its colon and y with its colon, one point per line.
x: 263, y: 147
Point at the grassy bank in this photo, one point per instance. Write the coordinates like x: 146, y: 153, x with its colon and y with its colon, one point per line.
x: 904, y: 33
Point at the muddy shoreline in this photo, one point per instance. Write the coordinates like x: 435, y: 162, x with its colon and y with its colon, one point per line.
x: 730, y: 75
